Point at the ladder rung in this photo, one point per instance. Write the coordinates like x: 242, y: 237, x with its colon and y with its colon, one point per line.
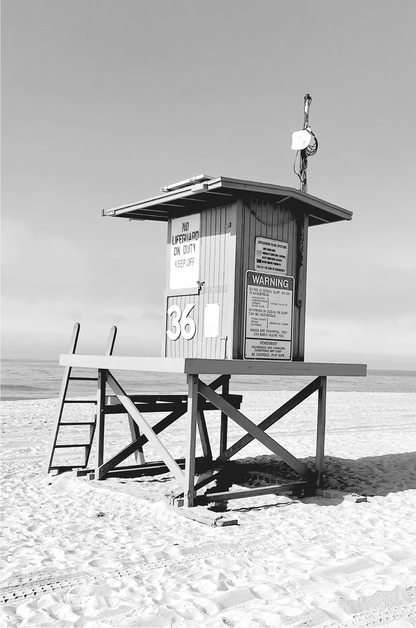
x: 80, y: 401
x: 83, y: 379
x: 68, y: 445
x: 67, y: 467
x: 77, y: 423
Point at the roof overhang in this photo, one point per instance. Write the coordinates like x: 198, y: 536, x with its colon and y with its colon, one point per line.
x: 195, y: 197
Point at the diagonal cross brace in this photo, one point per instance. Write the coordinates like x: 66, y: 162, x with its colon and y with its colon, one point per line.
x: 252, y: 429
x: 272, y: 418
x: 211, y: 474
x: 146, y: 429
x: 139, y: 442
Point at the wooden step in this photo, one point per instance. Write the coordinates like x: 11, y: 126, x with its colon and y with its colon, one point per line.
x: 82, y: 379
x: 81, y: 401
x: 68, y: 467
x: 77, y: 423
x: 69, y: 445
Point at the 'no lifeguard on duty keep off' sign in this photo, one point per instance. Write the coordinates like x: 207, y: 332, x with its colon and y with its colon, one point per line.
x: 184, y: 252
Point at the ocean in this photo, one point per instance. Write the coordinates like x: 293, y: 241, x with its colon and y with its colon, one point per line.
x: 39, y: 379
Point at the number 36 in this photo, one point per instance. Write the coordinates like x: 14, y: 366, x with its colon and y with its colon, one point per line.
x: 182, y: 325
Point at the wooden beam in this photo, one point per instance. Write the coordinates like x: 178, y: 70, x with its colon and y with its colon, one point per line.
x: 111, y: 341
x: 253, y: 429
x: 320, y: 433
x: 224, y: 418
x: 135, y: 435
x: 252, y: 492
x: 123, y: 363
x: 145, y: 427
x: 101, y: 384
x: 263, y: 367
x: 199, y: 366
x: 190, y: 440
x: 203, y: 434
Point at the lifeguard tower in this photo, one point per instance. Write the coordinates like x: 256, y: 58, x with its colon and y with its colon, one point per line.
x: 234, y: 303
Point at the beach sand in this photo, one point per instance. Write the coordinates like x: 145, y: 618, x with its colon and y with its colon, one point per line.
x: 80, y: 553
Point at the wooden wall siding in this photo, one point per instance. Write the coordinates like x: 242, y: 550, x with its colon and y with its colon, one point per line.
x: 217, y: 276
x: 278, y: 221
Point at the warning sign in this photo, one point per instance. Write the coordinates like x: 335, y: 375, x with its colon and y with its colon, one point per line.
x: 184, y: 252
x: 271, y: 255
x: 269, y: 305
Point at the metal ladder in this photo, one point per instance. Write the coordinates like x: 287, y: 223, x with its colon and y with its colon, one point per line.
x: 62, y: 401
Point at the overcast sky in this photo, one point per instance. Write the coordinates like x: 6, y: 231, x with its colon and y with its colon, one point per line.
x: 105, y: 101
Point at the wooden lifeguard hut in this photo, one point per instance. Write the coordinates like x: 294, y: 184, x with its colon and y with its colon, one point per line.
x: 234, y: 304
x: 236, y: 266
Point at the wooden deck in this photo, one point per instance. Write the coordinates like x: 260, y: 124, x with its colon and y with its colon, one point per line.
x: 190, y: 475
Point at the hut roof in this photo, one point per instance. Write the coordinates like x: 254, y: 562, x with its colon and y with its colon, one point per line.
x: 201, y: 192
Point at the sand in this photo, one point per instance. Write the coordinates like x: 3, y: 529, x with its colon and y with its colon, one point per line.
x: 80, y: 553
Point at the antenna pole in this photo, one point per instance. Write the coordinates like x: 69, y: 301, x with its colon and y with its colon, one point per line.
x: 303, y: 155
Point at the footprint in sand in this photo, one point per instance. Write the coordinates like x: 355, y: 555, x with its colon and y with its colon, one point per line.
x: 267, y: 592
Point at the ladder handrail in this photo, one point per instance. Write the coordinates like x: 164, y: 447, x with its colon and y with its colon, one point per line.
x: 64, y: 389
x: 111, y: 340
x: 61, y: 398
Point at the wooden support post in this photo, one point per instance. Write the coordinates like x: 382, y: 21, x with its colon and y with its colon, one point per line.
x: 102, y: 379
x: 224, y: 417
x: 190, y: 441
x: 135, y: 435
x: 203, y: 435
x: 320, y: 433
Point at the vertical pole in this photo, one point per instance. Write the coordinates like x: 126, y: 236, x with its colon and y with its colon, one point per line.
x: 224, y: 417
x: 101, y: 384
x: 320, y: 433
x: 189, y: 493
x: 303, y: 155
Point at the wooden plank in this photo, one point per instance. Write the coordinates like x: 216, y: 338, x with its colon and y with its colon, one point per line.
x: 253, y: 492
x: 111, y: 341
x: 135, y: 435
x: 83, y: 401
x: 101, y: 385
x: 203, y: 435
x: 149, y: 468
x: 117, y: 408
x: 320, y: 433
x: 61, y: 399
x: 253, y: 429
x: 123, y: 363
x: 202, y: 515
x: 145, y: 427
x: 201, y: 366
x: 152, y: 398
x: 224, y: 417
x: 272, y: 419
x: 341, y: 495
x: 190, y: 440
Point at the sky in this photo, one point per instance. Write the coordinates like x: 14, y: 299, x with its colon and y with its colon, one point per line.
x: 106, y: 101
